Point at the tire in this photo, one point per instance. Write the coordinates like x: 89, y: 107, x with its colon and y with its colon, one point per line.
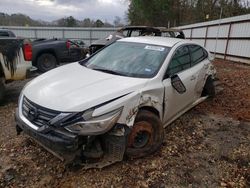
x: 46, y: 62
x: 146, y: 135
x: 209, y: 89
x: 2, y: 90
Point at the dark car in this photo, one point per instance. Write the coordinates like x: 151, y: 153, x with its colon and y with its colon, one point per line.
x: 175, y: 33
x: 6, y: 33
x: 48, y: 53
x: 135, y: 31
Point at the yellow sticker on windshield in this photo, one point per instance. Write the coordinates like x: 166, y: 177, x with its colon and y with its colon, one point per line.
x: 156, y: 48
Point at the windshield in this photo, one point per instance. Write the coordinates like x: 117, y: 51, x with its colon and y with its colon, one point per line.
x: 129, y: 59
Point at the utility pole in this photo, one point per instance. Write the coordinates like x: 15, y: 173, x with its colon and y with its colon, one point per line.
x: 218, y: 30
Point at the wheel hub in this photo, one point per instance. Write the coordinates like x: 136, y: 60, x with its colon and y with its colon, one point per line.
x: 141, y: 139
x: 47, y: 63
x: 141, y: 135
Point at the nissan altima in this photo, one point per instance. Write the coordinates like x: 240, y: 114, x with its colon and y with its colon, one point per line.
x: 116, y: 102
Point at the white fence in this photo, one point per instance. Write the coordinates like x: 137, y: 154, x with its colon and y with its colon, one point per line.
x: 232, y: 36
x: 88, y: 35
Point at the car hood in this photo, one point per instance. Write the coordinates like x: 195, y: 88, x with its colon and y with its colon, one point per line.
x: 74, y: 88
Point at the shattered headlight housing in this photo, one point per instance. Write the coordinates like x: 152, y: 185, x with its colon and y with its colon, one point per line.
x: 95, y: 125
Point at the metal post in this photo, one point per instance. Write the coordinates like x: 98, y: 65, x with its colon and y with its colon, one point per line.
x: 191, y: 34
x: 35, y: 33
x: 218, y: 30
x: 63, y: 33
x: 228, y: 38
x: 90, y: 35
x: 205, y: 43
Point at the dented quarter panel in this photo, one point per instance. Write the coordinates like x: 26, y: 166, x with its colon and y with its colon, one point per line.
x: 205, y: 69
x: 201, y: 72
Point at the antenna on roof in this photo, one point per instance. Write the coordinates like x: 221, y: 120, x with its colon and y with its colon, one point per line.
x: 218, y: 30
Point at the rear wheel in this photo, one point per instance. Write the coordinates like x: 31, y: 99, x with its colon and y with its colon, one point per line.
x: 46, y: 62
x: 209, y: 88
x: 2, y: 89
x: 146, y: 135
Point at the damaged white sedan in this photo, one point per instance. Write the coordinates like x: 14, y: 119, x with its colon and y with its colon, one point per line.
x: 116, y: 102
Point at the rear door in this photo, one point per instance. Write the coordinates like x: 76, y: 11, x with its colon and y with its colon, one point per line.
x: 200, y: 65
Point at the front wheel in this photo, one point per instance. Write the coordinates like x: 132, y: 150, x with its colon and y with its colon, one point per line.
x: 2, y: 89
x: 146, y: 135
x: 46, y: 62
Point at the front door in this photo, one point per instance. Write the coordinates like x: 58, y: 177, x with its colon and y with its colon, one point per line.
x: 179, y: 65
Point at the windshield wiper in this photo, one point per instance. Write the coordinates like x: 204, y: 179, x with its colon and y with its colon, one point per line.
x: 109, y: 71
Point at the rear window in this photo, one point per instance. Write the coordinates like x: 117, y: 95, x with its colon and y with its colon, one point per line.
x: 4, y: 34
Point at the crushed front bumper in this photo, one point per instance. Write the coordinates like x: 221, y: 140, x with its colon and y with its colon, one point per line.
x: 61, y: 145
x: 73, y: 148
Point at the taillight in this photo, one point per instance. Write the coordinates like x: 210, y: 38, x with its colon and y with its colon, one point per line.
x: 27, y: 50
x: 68, y: 44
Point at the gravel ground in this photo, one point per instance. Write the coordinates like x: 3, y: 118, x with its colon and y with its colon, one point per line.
x: 207, y: 147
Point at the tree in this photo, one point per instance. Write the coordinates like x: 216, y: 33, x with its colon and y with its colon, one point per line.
x: 182, y: 12
x: 148, y: 12
x: 71, y: 22
x: 99, y: 23
x: 87, y: 22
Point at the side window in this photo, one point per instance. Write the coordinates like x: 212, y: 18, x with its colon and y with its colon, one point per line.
x: 166, y: 34
x: 197, y: 54
x: 125, y: 33
x: 135, y: 33
x: 180, y: 61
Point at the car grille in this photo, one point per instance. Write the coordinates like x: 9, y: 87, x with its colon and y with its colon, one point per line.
x: 36, y: 114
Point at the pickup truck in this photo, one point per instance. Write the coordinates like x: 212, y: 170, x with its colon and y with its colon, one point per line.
x: 48, y: 53
x: 6, y: 33
x: 15, y: 61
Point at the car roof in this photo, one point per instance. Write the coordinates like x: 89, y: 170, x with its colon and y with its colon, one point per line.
x: 162, y: 29
x: 11, y: 33
x: 138, y: 27
x: 162, y: 41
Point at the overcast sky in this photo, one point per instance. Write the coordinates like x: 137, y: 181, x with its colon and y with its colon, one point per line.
x: 49, y: 10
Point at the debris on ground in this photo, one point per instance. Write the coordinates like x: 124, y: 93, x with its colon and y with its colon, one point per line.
x: 207, y: 147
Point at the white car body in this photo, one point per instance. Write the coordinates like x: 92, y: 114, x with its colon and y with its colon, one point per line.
x: 75, y: 88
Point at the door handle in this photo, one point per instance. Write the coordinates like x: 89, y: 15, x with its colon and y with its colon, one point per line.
x: 193, y: 77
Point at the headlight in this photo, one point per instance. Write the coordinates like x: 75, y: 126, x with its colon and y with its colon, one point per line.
x: 95, y: 125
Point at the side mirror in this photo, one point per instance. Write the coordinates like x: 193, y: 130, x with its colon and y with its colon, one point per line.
x: 178, y: 84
